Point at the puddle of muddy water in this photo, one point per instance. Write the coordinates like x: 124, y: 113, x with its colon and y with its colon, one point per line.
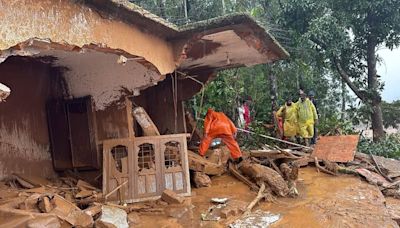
x: 324, y: 201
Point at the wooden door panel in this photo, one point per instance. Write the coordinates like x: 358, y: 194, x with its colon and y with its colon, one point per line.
x: 82, y: 136
x: 59, y: 135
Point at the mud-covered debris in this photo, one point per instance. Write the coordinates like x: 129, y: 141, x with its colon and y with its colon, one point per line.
x: 260, y: 173
x: 93, y: 210
x: 373, y: 177
x: 200, y: 164
x: 171, y: 197
x: 233, y: 208
x: 289, y: 173
x: 48, y: 221
x: 82, y: 185
x: 256, y: 219
x: 4, y: 92
x: 114, y: 216
x: 44, y: 204
x: 70, y: 213
x: 102, y: 224
x: 83, y: 194
x: 219, y: 200
x: 201, y: 180
x: 213, y: 213
x: 31, y: 181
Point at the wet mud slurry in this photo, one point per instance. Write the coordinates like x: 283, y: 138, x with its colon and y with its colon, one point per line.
x: 324, y: 201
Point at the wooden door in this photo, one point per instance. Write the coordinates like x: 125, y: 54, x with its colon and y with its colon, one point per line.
x: 59, y: 135
x: 82, y: 133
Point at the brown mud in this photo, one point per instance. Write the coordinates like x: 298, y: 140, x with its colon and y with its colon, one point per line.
x: 323, y: 201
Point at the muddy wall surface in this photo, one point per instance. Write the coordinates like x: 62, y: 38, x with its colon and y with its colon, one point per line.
x: 24, y: 139
x: 112, y: 123
x: 66, y: 21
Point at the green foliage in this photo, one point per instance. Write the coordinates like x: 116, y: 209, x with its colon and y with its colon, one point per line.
x: 333, y: 125
x: 314, y: 32
x: 388, y: 147
x: 391, y: 114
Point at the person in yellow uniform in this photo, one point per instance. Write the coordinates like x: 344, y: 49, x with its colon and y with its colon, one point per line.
x: 306, y: 117
x: 288, y: 113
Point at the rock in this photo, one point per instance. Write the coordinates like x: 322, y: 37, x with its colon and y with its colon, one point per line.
x: 171, y: 197
x: 115, y: 216
x: 201, y: 180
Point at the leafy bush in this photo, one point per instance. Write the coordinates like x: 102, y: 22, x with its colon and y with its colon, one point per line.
x: 388, y: 147
x: 333, y: 125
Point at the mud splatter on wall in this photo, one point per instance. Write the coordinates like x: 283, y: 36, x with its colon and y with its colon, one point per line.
x: 24, y: 140
x: 65, y: 21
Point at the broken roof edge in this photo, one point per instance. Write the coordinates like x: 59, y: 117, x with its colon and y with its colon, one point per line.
x: 230, y: 20
x: 34, y: 46
x: 130, y: 12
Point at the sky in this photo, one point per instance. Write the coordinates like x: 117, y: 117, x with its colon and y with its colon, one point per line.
x: 389, y: 69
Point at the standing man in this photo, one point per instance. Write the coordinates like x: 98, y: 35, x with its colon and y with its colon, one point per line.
x: 311, y: 96
x: 307, y: 117
x: 288, y: 113
x: 218, y: 125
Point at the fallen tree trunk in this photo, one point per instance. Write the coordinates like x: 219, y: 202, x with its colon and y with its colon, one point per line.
x: 263, y: 174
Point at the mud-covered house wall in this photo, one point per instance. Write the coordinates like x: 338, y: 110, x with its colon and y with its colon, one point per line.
x: 77, y: 24
x: 24, y: 139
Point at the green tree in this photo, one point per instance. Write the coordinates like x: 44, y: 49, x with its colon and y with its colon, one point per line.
x: 348, y: 34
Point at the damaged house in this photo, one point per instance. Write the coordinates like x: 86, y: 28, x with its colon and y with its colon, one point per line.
x: 90, y: 80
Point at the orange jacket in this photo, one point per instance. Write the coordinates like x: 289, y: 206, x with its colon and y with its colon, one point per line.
x: 217, y: 123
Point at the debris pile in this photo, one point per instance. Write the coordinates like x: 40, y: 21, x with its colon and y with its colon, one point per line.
x: 51, y: 203
x: 69, y: 202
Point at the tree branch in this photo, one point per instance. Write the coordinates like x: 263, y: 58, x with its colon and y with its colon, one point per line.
x: 343, y: 74
x: 346, y: 78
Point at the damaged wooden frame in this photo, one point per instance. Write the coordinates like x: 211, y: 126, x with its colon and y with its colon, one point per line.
x: 141, y: 168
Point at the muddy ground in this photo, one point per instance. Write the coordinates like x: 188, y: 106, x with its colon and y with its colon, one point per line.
x: 324, y: 201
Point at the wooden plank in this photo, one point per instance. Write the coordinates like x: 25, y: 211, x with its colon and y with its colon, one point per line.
x: 336, y: 148
x: 144, y: 120
x: 129, y: 116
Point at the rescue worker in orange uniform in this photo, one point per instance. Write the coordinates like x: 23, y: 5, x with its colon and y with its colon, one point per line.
x: 218, y: 125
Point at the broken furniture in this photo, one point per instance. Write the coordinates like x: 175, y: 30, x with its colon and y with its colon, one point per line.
x: 149, y: 164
